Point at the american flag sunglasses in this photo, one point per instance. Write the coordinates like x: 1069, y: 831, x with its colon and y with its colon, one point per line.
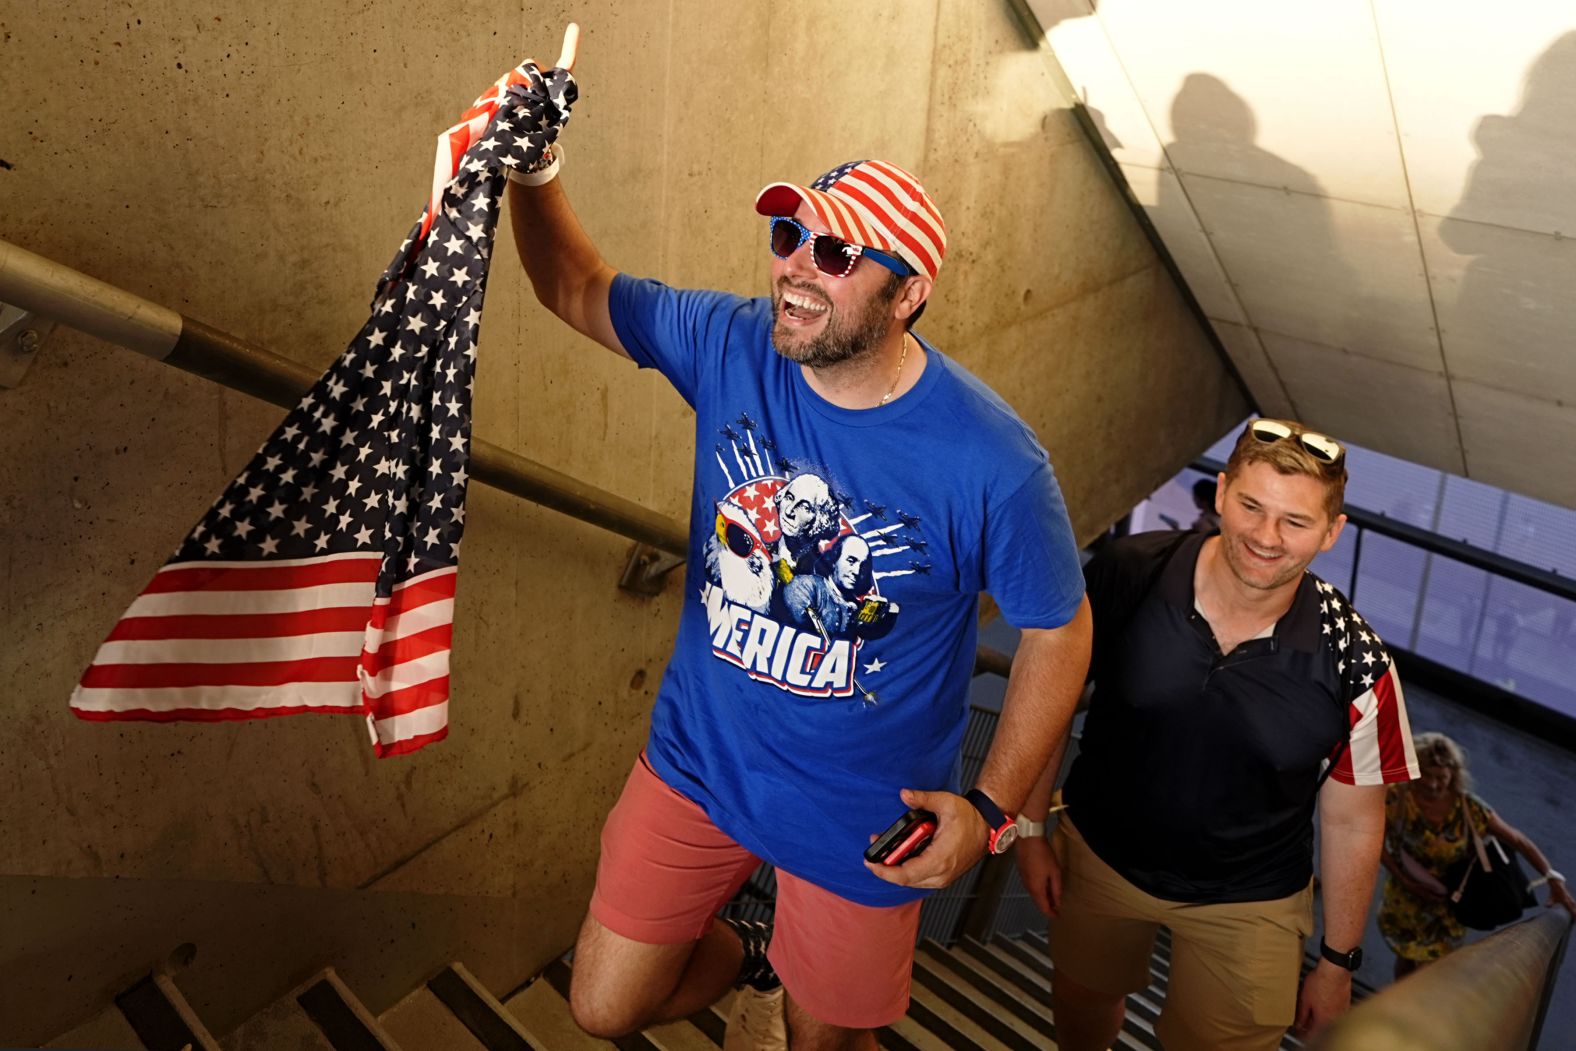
x: 1320, y: 446
x: 832, y: 256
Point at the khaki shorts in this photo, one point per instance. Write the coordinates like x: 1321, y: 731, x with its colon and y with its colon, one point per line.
x: 1234, y: 967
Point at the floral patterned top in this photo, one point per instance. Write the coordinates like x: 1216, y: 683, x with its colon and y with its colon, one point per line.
x: 1414, y: 927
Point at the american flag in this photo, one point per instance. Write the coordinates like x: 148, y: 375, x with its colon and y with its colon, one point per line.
x: 322, y: 579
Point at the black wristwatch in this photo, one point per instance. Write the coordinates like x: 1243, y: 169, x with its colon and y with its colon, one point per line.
x: 1349, y: 960
x: 1003, y: 831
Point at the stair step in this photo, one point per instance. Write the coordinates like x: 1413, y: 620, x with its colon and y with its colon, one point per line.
x: 985, y: 1009
x: 956, y: 1030
x: 281, y: 1026
x: 905, y: 1034
x: 679, y: 1036
x: 1009, y: 969
x: 1029, y: 1014
x: 340, y: 1015
x: 1138, y: 1030
x: 543, y: 1013
x: 1026, y: 955
x: 106, y: 1031
x: 421, y: 1020
x: 479, y: 1011
x: 1129, y: 1040
x: 161, y: 1017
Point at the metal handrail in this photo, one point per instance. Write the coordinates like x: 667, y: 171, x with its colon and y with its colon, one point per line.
x: 47, y: 288
x: 1492, y: 994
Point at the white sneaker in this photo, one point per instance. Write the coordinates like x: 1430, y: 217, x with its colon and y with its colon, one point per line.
x: 756, y: 1022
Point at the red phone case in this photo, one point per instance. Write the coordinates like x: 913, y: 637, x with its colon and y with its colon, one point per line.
x: 904, y: 838
x: 917, y: 840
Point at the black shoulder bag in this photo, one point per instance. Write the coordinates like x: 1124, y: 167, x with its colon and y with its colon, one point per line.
x: 1490, y: 886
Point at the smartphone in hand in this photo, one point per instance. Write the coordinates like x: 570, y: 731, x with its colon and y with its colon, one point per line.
x: 907, y: 837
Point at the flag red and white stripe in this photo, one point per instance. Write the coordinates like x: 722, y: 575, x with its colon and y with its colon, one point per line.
x: 1379, y: 750
x: 457, y: 141
x: 871, y: 203
x: 241, y: 640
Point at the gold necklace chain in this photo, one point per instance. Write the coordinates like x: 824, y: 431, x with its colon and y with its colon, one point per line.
x: 899, y: 377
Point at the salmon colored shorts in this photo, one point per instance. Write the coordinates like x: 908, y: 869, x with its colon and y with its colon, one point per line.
x: 666, y: 870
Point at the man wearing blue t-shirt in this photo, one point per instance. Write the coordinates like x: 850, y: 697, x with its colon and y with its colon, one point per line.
x: 854, y: 491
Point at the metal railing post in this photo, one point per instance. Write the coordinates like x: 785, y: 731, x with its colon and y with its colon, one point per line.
x: 1357, y: 562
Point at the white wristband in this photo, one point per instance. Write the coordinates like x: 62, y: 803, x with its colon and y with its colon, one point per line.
x: 1547, y: 877
x: 545, y: 175
x: 1036, y: 828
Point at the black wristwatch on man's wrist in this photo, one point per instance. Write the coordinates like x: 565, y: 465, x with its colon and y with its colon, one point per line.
x: 1348, y: 960
x: 1003, y: 830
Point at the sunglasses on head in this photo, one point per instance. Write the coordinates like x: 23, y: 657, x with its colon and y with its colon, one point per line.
x: 1320, y: 446
x: 832, y: 256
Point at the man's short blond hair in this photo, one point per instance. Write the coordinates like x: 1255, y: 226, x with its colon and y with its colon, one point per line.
x: 1288, y: 456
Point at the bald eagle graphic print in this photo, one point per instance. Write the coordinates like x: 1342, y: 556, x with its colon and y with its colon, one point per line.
x: 794, y: 567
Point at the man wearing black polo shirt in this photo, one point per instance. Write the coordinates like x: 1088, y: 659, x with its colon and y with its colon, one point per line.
x: 1235, y: 695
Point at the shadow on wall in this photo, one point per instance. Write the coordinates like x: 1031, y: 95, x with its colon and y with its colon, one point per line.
x: 1511, y: 310
x: 1053, y: 13
x: 1296, y: 241
x: 1208, y: 117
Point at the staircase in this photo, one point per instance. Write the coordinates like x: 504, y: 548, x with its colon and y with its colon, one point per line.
x: 972, y: 997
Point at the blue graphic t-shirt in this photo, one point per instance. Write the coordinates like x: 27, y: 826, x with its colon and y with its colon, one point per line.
x: 836, y: 559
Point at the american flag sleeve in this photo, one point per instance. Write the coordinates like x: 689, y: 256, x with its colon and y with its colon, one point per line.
x: 1379, y: 744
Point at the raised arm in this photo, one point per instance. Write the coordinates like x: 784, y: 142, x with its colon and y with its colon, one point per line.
x: 567, y: 272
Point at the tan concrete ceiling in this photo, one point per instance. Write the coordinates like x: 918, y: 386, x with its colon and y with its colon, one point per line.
x: 1372, y: 200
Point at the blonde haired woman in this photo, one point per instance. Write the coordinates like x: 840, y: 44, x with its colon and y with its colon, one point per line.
x: 1425, y: 833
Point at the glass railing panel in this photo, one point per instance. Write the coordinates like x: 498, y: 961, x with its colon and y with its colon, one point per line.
x: 1389, y: 581
x: 1452, y: 613
x: 1528, y: 644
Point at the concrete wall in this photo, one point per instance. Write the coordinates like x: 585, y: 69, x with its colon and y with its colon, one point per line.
x: 256, y: 171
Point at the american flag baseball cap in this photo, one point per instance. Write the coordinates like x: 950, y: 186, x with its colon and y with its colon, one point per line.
x: 870, y: 203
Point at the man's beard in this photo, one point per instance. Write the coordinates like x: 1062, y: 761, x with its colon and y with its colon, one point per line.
x: 839, y: 340
x: 1240, y: 568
